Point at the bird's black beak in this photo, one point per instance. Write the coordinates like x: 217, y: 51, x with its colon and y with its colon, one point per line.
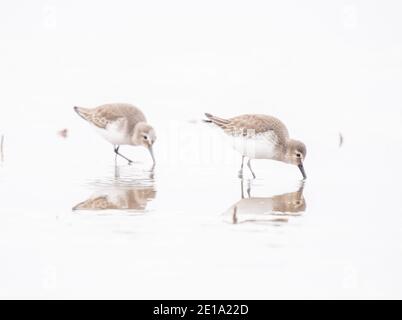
x: 151, y: 151
x: 301, y: 167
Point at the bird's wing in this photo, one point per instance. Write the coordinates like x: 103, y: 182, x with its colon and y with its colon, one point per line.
x: 102, y: 117
x: 99, y: 117
x: 247, y: 125
x: 250, y: 125
x: 124, y: 113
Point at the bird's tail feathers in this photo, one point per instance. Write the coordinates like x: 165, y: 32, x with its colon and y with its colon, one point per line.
x: 83, y: 112
x: 216, y: 120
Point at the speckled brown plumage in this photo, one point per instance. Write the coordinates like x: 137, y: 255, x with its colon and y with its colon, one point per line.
x: 250, y: 124
x: 105, y: 114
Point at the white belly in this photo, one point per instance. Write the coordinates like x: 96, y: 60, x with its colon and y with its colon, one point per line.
x: 258, y: 147
x: 115, y: 134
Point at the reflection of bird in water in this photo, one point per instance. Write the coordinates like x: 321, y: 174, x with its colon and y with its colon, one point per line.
x: 270, y: 209
x: 121, y: 198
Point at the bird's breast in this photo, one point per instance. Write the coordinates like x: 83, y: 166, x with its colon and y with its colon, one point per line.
x: 115, y: 133
x: 261, y: 146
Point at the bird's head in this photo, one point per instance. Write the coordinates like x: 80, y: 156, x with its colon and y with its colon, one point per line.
x: 144, y: 135
x: 295, y: 154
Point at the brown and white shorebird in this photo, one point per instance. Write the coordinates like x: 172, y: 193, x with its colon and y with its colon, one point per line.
x: 121, y: 124
x: 258, y: 136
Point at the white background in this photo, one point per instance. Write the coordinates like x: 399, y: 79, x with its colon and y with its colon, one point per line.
x: 323, y: 67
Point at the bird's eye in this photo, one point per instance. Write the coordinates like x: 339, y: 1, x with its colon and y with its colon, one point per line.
x: 145, y: 137
x: 298, y: 155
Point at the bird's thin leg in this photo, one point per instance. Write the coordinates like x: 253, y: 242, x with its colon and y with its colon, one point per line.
x: 242, y: 188
x: 234, y: 215
x: 115, y: 157
x: 115, y: 165
x: 249, y: 166
x: 116, y: 150
x: 249, y: 188
x: 116, y: 171
x: 241, y: 167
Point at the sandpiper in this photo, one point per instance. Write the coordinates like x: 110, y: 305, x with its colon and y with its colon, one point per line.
x: 258, y: 136
x: 121, y: 124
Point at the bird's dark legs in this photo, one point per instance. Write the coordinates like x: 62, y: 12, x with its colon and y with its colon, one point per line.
x: 115, y: 164
x: 241, y: 168
x: 116, y: 151
x: 242, y: 188
x: 249, y: 189
x: 234, y: 218
x: 116, y: 171
x: 249, y: 166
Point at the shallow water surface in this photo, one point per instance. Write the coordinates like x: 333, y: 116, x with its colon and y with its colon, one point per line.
x: 77, y: 224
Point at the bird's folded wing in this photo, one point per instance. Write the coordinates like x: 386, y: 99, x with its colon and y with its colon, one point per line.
x: 101, y: 118
x: 247, y: 125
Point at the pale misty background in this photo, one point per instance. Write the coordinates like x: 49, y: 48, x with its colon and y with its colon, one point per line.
x: 323, y: 67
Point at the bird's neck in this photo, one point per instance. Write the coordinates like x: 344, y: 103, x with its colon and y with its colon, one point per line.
x: 136, y: 136
x: 283, y: 152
